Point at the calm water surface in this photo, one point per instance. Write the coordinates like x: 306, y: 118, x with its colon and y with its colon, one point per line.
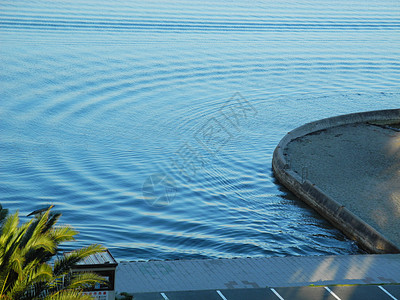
x: 151, y: 125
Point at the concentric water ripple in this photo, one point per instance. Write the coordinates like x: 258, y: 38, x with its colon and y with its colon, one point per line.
x: 107, y: 111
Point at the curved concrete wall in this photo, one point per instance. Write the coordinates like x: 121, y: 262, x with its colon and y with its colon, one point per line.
x: 338, y: 215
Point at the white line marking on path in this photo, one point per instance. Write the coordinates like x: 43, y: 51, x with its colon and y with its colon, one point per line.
x: 276, y: 293
x: 222, y: 296
x: 164, y: 296
x: 387, y: 293
x: 332, y: 293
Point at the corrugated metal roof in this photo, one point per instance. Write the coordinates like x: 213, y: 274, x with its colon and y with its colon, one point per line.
x: 101, y: 258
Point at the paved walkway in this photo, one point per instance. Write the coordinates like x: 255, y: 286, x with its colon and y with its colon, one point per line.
x: 254, y: 273
x: 371, y: 292
x: 358, y: 165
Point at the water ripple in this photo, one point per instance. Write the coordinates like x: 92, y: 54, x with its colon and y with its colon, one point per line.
x: 97, y: 97
x: 117, y: 25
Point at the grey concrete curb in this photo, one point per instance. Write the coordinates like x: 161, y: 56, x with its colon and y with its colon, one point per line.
x: 355, y: 228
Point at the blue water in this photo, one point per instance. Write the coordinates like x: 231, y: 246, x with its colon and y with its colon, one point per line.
x: 151, y: 124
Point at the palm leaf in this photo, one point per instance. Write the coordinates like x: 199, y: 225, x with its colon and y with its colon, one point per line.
x: 84, y: 280
x: 63, y: 234
x: 52, y: 221
x: 3, y: 214
x: 68, y: 295
x: 34, y: 273
x: 64, y: 264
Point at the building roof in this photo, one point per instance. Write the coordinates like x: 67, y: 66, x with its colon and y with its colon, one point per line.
x: 98, y: 260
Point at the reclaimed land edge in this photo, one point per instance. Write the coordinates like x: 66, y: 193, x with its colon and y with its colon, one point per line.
x: 355, y: 228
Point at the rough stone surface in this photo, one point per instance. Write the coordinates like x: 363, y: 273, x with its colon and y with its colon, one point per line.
x: 357, y: 165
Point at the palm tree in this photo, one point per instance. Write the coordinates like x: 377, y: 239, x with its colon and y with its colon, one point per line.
x: 25, y: 253
x: 3, y: 214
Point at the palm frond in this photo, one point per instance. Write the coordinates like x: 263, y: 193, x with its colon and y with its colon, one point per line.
x: 84, y: 280
x: 64, y: 264
x: 33, y: 274
x: 68, y: 295
x: 3, y: 214
x: 63, y: 234
x: 51, y: 222
x: 11, y: 222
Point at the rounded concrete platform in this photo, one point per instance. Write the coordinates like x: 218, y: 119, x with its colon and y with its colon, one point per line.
x: 348, y: 169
